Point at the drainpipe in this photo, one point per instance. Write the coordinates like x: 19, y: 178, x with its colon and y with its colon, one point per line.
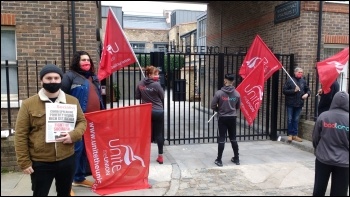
x: 74, y: 36
x: 319, y: 39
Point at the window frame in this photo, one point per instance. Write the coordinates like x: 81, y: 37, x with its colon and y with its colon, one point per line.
x: 14, y: 97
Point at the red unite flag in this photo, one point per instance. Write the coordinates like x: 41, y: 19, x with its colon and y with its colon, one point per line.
x: 330, y: 68
x: 117, y: 52
x: 251, y: 90
x: 118, y: 147
x: 259, y: 52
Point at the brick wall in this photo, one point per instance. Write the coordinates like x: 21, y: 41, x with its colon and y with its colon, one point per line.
x: 236, y: 24
x: 37, y: 25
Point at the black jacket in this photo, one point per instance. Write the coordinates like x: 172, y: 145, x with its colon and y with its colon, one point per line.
x: 293, y: 99
x: 326, y: 99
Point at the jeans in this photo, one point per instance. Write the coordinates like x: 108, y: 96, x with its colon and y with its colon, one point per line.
x: 293, y: 114
x: 80, y: 161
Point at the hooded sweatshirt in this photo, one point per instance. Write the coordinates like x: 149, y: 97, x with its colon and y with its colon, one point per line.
x: 330, y: 136
x: 226, y: 101
x: 150, y: 91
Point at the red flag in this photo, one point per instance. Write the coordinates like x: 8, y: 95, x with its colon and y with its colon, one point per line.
x: 259, y: 52
x: 117, y: 52
x: 118, y: 146
x: 330, y: 68
x: 251, y: 90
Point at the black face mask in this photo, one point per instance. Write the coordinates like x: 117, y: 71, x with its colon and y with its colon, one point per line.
x: 52, y: 87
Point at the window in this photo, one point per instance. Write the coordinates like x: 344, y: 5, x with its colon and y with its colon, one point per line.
x: 138, y: 47
x: 160, y: 47
x: 330, y: 50
x: 8, y: 52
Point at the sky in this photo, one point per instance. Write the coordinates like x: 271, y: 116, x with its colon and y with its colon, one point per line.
x: 152, y: 8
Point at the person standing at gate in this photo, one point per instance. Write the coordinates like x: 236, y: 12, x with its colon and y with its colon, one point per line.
x: 330, y: 139
x: 44, y: 161
x: 326, y: 99
x: 81, y: 82
x: 296, y: 91
x: 226, y: 102
x: 149, y: 90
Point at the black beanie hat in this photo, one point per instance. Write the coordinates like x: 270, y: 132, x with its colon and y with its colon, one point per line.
x: 50, y: 68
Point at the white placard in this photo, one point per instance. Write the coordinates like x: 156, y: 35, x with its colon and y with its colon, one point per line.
x: 60, y: 118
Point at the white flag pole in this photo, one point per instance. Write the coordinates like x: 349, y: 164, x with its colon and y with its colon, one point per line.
x: 212, y: 117
x: 290, y: 77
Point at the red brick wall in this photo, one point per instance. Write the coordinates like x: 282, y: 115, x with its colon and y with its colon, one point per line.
x: 37, y: 25
x: 38, y: 32
x: 236, y: 24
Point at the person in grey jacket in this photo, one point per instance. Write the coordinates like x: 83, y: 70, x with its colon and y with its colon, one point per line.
x: 330, y: 138
x: 226, y: 103
x: 149, y: 90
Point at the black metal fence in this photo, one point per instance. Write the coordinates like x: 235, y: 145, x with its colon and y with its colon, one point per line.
x: 189, y: 82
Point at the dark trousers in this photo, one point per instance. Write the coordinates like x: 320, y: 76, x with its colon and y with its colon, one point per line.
x: 81, y: 161
x: 227, y: 125
x: 45, y: 172
x: 158, y: 129
x: 339, y: 181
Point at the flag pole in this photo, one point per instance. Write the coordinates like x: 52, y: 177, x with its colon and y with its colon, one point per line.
x: 212, y: 117
x: 290, y: 77
x: 128, y: 42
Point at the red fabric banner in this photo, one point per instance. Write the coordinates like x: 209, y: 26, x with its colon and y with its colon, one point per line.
x: 330, y: 68
x: 117, y: 52
x: 118, y: 146
x: 259, y: 52
x: 251, y: 90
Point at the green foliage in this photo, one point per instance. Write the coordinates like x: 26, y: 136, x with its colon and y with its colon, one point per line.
x: 144, y: 60
x: 116, y: 91
x: 176, y: 62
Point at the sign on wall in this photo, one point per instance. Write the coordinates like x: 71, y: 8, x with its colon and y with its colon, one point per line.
x: 287, y: 11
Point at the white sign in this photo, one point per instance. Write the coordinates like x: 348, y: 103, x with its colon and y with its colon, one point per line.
x: 60, y: 118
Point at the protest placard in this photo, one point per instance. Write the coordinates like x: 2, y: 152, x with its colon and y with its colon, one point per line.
x: 60, y: 118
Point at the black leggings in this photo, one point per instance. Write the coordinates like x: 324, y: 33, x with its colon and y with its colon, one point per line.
x: 158, y: 129
x: 339, y: 181
x: 227, y: 125
x: 44, y: 173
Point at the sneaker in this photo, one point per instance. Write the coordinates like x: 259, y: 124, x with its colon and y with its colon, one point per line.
x: 84, y: 183
x: 296, y: 138
x: 234, y: 160
x: 71, y: 193
x: 218, y: 163
x: 160, y: 159
x: 290, y: 138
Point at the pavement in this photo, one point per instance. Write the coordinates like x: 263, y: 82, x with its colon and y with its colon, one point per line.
x: 268, y: 168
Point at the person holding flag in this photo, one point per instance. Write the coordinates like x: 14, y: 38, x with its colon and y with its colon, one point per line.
x: 328, y: 71
x: 226, y: 102
x: 326, y: 98
x: 296, y: 91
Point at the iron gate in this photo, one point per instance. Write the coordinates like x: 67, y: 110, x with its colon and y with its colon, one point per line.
x: 190, y: 80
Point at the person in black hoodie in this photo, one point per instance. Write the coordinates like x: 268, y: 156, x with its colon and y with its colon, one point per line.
x: 326, y: 99
x: 149, y: 90
x: 330, y: 139
x: 226, y: 103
